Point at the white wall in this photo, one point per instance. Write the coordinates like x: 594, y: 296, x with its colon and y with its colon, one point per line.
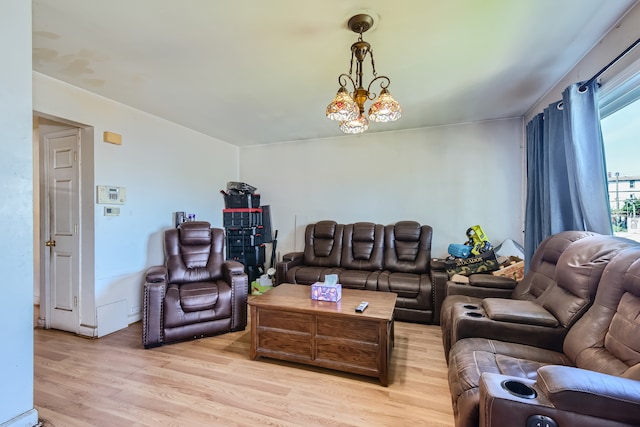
x: 16, y: 210
x: 449, y: 177
x: 164, y: 168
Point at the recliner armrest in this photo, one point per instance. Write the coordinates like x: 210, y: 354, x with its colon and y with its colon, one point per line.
x: 289, y: 260
x: 233, y: 267
x: 152, y: 312
x: 156, y: 274
x: 234, y: 275
x: 439, y: 279
x: 576, y: 397
x: 591, y: 393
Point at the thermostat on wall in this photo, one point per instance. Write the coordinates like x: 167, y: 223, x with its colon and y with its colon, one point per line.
x: 112, y: 195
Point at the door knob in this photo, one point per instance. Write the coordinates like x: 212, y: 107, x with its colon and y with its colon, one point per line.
x: 50, y: 243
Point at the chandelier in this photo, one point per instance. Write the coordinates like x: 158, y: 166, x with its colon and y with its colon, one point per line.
x: 348, y: 108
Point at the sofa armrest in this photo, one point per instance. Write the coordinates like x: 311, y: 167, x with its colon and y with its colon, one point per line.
x: 453, y: 288
x: 491, y: 281
x: 235, y: 276
x: 289, y: 261
x: 439, y: 279
x: 154, y: 290
x: 577, y: 397
x: 518, y: 311
x: 591, y: 393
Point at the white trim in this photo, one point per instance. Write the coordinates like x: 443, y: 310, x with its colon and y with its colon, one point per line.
x: 26, y: 419
x: 620, y: 90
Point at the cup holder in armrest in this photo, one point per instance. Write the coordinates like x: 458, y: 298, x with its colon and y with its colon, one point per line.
x: 473, y: 314
x: 471, y: 307
x: 519, y: 389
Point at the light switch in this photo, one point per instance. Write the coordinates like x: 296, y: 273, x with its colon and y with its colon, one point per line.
x: 111, y: 211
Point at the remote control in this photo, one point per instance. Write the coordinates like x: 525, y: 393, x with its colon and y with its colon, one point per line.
x: 363, y: 305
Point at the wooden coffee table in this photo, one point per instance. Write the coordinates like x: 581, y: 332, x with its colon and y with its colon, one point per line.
x: 287, y: 324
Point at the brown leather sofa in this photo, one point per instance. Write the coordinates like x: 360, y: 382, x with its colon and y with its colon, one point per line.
x: 593, y: 381
x: 545, y: 320
x: 393, y: 258
x: 196, y: 293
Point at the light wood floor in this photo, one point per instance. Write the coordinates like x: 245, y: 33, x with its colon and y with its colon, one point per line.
x: 113, y: 381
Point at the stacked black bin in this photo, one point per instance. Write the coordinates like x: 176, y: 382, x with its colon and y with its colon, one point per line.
x: 244, y: 232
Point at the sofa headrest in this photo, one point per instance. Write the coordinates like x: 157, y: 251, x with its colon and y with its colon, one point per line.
x: 581, y: 265
x: 606, y: 338
x: 408, y: 231
x: 554, y: 246
x: 578, y: 275
x: 325, y: 229
x: 195, y: 233
x: 364, y: 231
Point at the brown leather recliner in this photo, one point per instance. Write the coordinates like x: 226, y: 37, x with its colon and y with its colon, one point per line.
x: 196, y: 293
x: 539, y: 277
x: 544, y: 321
x: 594, y: 381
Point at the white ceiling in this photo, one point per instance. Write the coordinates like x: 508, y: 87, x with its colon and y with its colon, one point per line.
x: 262, y: 71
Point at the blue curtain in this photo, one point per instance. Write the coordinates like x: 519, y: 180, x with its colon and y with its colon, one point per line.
x: 566, y: 169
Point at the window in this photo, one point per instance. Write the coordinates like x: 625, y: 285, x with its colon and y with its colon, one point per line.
x: 620, y: 112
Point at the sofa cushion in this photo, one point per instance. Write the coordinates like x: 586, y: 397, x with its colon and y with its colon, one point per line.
x: 198, y: 296
x: 308, y: 275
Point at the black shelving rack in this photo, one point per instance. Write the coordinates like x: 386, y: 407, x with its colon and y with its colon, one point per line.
x: 246, y: 235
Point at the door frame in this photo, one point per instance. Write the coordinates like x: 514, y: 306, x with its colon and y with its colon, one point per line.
x: 86, y: 301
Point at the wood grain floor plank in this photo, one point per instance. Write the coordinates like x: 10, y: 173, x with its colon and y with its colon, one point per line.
x: 113, y: 381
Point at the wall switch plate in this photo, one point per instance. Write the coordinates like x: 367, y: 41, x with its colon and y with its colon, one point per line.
x: 111, y: 211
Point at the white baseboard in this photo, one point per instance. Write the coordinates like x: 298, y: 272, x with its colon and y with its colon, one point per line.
x: 27, y: 419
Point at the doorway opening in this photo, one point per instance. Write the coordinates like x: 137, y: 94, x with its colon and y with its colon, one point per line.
x: 63, y: 225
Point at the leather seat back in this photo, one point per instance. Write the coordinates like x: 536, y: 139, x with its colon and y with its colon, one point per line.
x: 578, y: 273
x: 194, y: 252
x: 407, y: 247
x: 363, y: 246
x: 542, y: 268
x: 323, y: 244
x: 607, y: 338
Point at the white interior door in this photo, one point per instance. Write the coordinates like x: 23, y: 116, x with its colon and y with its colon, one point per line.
x: 62, y: 201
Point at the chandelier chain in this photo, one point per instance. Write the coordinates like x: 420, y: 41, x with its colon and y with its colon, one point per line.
x: 373, y: 64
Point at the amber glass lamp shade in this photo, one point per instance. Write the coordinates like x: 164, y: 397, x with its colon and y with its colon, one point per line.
x: 385, y: 108
x: 343, y: 107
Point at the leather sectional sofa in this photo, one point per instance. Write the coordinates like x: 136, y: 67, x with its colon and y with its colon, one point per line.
x: 546, y: 303
x: 593, y: 379
x: 392, y: 258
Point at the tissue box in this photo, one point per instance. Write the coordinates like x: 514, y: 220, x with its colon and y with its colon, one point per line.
x: 323, y: 292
